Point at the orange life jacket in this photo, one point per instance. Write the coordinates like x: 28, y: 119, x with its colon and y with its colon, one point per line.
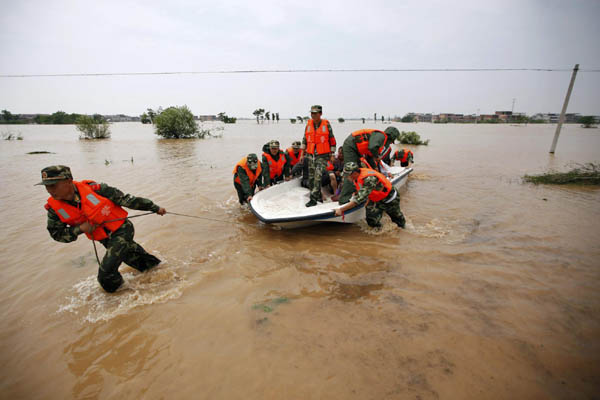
x: 253, y: 176
x: 363, y: 160
x: 402, y: 155
x: 375, y: 195
x: 317, y: 142
x: 294, y: 160
x: 95, y: 209
x: 329, y: 166
x: 275, y: 167
x: 361, y: 138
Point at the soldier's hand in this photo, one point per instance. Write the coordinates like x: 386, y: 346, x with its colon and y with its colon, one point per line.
x: 249, y: 198
x: 338, y: 212
x: 86, y: 227
x: 161, y: 211
x: 287, y: 178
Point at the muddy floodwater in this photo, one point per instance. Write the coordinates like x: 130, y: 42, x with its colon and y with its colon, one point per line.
x: 491, y: 292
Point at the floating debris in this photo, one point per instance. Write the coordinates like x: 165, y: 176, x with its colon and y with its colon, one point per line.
x: 41, y: 152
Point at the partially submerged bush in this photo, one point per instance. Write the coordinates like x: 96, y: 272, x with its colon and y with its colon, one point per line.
x: 412, y: 138
x: 177, y: 123
x: 8, y: 135
x: 586, y: 174
x: 94, y: 127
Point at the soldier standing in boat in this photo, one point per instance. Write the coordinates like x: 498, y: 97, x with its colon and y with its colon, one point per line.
x: 373, y: 186
x: 318, y: 143
x: 96, y: 209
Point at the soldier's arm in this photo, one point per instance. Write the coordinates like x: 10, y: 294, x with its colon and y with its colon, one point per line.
x: 286, y: 166
x: 362, y: 195
x: 266, y: 173
x: 125, y: 200
x: 60, y: 231
x: 244, y: 181
x: 332, y: 141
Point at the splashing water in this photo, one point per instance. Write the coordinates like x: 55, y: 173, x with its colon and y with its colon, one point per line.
x: 138, y: 289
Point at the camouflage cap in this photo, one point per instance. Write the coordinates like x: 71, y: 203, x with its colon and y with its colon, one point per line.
x: 252, y: 161
x: 296, y: 145
x: 274, y: 144
x: 316, y: 108
x: 392, y: 133
x: 55, y: 173
x: 351, y: 167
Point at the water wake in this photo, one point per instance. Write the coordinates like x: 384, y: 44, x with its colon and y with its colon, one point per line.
x: 153, y: 287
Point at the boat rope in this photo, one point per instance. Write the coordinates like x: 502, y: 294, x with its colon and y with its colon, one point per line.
x: 148, y: 213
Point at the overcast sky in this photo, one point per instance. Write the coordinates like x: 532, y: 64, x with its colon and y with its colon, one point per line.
x: 56, y: 37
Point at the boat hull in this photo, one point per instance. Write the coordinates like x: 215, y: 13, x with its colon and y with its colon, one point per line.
x: 282, y: 205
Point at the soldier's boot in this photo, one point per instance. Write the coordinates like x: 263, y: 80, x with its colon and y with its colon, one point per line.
x: 311, y: 203
x: 400, y: 221
x: 110, y: 282
x: 147, y: 262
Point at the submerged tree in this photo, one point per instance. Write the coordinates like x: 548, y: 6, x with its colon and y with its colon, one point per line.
x: 95, y: 127
x: 299, y: 118
x: 145, y: 119
x: 222, y: 116
x: 258, y: 113
x: 587, y: 121
x: 177, y: 123
x: 411, y: 138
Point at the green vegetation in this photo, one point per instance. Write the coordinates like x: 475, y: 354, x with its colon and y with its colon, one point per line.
x: 340, y: 120
x: 583, y: 174
x: 587, y: 121
x: 259, y: 114
x: 293, y: 120
x: 8, y: 118
x: 226, y: 119
x: 408, y: 118
x: 412, y: 138
x: 58, y: 118
x: 94, y: 127
x: 300, y: 119
x: 145, y: 119
x: 177, y: 123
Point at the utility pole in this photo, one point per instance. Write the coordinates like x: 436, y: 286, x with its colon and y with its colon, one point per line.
x: 564, y: 109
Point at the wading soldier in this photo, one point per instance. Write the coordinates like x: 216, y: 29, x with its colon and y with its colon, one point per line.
x: 375, y: 187
x: 405, y: 157
x: 246, y: 175
x: 96, y: 210
x: 369, y: 144
x: 318, y: 143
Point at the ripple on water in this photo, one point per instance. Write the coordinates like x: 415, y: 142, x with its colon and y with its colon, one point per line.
x: 153, y: 287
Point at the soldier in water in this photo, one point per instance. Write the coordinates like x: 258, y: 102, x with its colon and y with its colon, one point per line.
x: 95, y: 209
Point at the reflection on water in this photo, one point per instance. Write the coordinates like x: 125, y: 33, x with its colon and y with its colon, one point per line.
x: 492, y: 288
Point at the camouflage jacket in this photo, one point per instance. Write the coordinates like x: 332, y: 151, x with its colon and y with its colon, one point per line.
x: 62, y: 232
x: 369, y: 184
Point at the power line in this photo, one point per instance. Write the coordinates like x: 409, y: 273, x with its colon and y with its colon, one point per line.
x: 285, y: 71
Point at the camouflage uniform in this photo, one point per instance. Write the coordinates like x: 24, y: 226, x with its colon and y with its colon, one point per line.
x: 317, y: 164
x: 350, y: 151
x: 244, y: 189
x: 374, y: 210
x: 120, y: 246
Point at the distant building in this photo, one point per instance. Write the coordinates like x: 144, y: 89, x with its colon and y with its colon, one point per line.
x: 206, y: 117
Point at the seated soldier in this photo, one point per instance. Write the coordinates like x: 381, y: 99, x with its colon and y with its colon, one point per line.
x: 294, y: 156
x: 274, y: 164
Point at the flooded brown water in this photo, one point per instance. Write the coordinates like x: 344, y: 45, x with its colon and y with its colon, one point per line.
x: 491, y: 291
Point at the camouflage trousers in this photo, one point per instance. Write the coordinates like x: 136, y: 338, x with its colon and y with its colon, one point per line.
x: 350, y: 155
x: 375, y: 211
x: 120, y: 247
x: 316, y: 166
